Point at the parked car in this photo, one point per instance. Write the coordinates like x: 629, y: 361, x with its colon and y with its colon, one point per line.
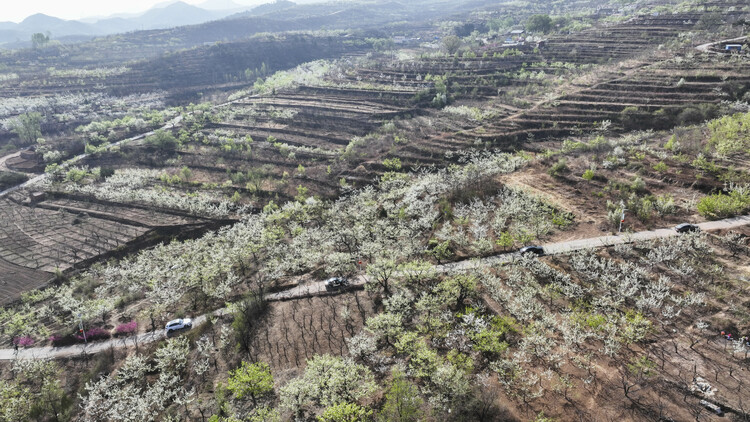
x: 533, y: 249
x: 686, y: 228
x: 335, y: 283
x: 178, y: 324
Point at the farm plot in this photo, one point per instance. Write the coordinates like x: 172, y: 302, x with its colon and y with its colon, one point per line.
x: 600, y: 44
x: 15, y: 279
x: 65, y: 230
x: 297, y: 330
x: 325, y: 116
x: 269, y: 145
x: 47, y: 240
x: 131, y: 214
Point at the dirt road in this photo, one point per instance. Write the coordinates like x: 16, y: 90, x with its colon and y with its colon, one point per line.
x: 318, y: 288
x: 3, y: 166
x: 315, y: 288
x: 50, y: 352
x: 602, y: 241
x: 705, y: 47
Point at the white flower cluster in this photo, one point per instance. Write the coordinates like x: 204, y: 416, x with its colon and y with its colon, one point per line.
x: 393, y: 220
x: 4, y: 77
x: 83, y: 106
x: 99, y: 72
x: 473, y: 113
x: 140, y: 186
x: 127, y: 396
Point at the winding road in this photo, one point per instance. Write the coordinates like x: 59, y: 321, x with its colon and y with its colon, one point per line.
x: 318, y: 288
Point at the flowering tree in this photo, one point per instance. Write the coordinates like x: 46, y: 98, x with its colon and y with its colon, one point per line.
x: 28, y: 127
x: 402, y: 401
x: 346, y: 412
x: 327, y: 381
x: 128, y: 396
x: 253, y: 380
x: 15, y: 401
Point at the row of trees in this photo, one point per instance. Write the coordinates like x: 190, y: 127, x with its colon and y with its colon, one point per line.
x: 435, y: 348
x: 434, y: 341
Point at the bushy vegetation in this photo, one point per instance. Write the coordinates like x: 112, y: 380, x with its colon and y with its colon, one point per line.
x: 9, y: 179
x: 28, y: 127
x: 722, y: 205
x: 731, y: 134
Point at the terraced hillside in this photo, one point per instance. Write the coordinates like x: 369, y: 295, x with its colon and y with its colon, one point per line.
x: 61, y: 232
x: 322, y: 127
x: 72, y: 97
x: 415, y: 166
x: 647, y: 95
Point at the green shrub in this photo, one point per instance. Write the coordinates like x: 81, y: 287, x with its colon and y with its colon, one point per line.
x: 76, y: 175
x: 27, y: 126
x: 251, y: 380
x: 661, y: 167
x: 570, y: 145
x: 703, y: 164
x: 560, y: 166
x: 588, y: 174
x: 730, y: 134
x: 722, y: 206
x: 670, y: 143
x: 492, y: 340
x: 539, y: 23
x: 106, y: 172
x: 162, y: 140
x: 392, y: 164
x: 345, y: 412
x: 505, y: 240
x: 631, y: 118
x: 8, y: 179
x: 638, y: 185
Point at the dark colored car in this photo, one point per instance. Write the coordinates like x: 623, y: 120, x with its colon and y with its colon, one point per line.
x: 686, y: 228
x: 335, y: 283
x: 534, y: 249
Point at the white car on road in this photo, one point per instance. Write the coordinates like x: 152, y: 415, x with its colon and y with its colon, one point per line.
x: 178, y: 324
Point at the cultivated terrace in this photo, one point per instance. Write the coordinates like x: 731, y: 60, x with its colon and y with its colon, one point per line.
x: 222, y: 172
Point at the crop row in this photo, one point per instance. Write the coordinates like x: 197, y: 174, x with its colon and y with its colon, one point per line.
x: 130, y: 214
x: 16, y: 279
x: 47, y: 240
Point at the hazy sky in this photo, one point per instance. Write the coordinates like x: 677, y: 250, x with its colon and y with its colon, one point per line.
x: 18, y: 10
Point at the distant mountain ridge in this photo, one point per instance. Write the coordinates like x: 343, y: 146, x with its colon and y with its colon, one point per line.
x: 177, y: 13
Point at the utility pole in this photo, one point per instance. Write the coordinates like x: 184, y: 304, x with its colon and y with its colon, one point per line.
x: 80, y: 327
x: 622, y: 217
